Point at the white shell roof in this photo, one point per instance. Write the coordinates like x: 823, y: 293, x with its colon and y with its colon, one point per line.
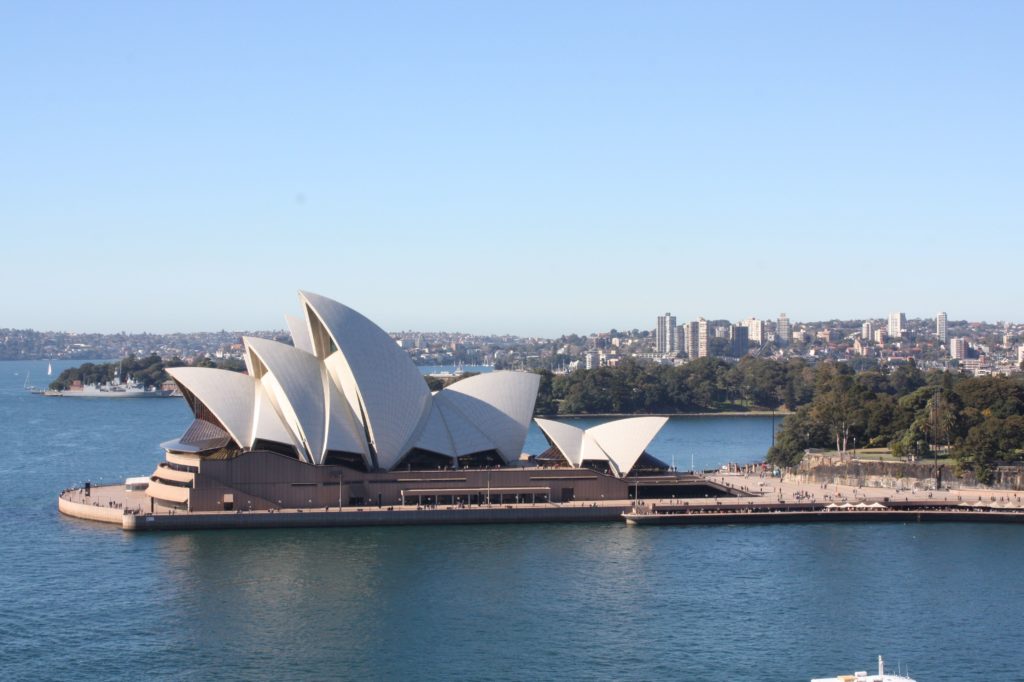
x: 228, y: 395
x: 267, y: 424
x: 623, y: 440
x: 435, y: 436
x: 344, y: 432
x: 301, y: 395
x: 566, y: 437
x: 354, y: 381
x: 300, y: 333
x: 467, y: 435
x: 620, y: 442
x: 324, y: 416
x: 378, y: 378
x: 499, y: 403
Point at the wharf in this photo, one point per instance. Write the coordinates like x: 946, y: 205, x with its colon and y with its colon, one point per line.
x: 776, y: 512
x: 759, y: 500
x: 112, y: 504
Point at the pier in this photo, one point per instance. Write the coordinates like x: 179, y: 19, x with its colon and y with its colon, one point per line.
x: 745, y: 499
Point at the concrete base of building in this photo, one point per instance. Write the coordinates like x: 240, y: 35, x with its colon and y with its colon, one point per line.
x: 372, y: 517
x: 103, y: 505
x: 86, y: 509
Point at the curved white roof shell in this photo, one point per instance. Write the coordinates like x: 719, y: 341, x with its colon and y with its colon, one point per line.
x: 300, y: 333
x: 500, y: 404
x: 306, y: 398
x: 620, y: 442
x: 266, y: 422
x: 345, y: 388
x: 566, y: 437
x: 379, y: 380
x: 229, y: 396
x: 292, y: 378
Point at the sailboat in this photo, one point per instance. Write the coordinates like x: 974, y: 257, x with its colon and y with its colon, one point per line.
x: 29, y: 387
x: 49, y: 368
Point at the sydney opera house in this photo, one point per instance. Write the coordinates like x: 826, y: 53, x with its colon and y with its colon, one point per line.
x: 344, y: 418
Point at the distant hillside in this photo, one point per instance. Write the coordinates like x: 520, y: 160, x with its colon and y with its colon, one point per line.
x: 149, y: 371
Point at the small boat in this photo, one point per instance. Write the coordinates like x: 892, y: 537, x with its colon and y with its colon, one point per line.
x: 34, y: 390
x: 863, y: 676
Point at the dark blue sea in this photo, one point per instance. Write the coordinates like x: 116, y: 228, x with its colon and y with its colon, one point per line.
x: 578, y: 602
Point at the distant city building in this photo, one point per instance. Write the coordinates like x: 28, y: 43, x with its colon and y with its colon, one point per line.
x: 783, y: 331
x: 665, y: 335
x: 756, y: 330
x: 702, y: 338
x: 958, y: 348
x: 740, y: 340
x: 879, y: 336
x: 1020, y: 354
x: 593, y: 360
x: 897, y: 323
x: 680, y: 339
x: 867, y: 331
x: 940, y: 328
x: 692, y: 342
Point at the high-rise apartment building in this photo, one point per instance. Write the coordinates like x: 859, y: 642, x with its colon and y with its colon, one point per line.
x: 740, y: 340
x: 692, y: 333
x: 867, y: 331
x: 940, y: 328
x: 702, y: 338
x: 897, y: 323
x: 958, y: 348
x: 783, y: 331
x: 680, y: 337
x: 665, y: 335
x: 756, y: 330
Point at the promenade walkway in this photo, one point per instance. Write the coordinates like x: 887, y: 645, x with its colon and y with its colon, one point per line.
x: 133, y: 510
x: 783, y: 490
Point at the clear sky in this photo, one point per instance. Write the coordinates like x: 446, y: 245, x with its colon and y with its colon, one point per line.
x: 533, y: 168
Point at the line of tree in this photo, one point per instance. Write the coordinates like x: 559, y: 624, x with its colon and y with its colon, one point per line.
x: 976, y: 421
x: 148, y: 371
x: 704, y: 385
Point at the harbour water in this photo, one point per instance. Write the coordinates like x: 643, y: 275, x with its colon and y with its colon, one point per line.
x: 589, y: 601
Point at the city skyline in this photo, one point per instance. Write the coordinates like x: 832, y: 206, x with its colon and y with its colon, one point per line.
x: 679, y: 322
x: 529, y: 169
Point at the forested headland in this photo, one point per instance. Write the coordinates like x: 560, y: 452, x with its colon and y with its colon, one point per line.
x: 977, y: 422
x: 148, y: 371
x: 704, y: 385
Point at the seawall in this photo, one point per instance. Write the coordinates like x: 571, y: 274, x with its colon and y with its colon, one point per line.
x: 89, y: 511
x: 888, y: 515
x: 353, y: 518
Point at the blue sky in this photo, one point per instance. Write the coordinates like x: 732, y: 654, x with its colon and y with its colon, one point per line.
x: 533, y: 168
